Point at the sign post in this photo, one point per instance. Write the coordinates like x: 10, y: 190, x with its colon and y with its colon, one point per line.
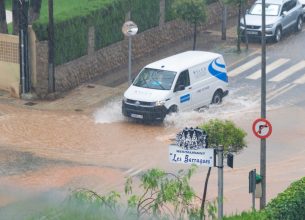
x: 252, y: 186
x: 129, y: 29
x: 262, y: 129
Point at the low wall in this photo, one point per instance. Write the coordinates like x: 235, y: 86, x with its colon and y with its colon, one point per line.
x: 9, y: 64
x: 98, y: 63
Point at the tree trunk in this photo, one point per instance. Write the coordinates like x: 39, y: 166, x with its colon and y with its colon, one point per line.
x: 195, y: 35
x: 245, y: 22
x: 238, y: 26
x: 205, y: 193
x: 16, y: 8
x: 3, y: 24
x: 224, y: 19
x: 34, y: 10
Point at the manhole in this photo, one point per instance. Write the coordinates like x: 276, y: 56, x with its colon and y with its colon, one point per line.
x: 78, y: 110
x: 90, y: 86
x: 30, y: 103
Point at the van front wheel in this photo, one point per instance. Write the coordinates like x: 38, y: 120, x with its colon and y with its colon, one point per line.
x: 172, y: 109
x: 217, y: 97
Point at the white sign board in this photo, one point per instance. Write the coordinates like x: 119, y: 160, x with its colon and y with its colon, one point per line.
x: 200, y: 157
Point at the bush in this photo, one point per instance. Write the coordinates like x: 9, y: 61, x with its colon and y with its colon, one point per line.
x: 288, y: 205
x: 225, y: 133
x: 145, y: 14
x: 108, y: 24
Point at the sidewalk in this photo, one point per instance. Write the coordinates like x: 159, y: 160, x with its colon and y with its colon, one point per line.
x: 93, y: 94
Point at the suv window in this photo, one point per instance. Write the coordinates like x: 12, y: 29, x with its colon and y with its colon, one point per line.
x: 183, y: 79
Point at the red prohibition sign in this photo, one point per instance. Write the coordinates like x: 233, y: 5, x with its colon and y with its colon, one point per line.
x: 262, y: 128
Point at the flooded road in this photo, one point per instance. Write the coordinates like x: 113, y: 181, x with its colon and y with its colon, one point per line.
x: 50, y: 153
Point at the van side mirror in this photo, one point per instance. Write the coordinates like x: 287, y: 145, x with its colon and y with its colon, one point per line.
x: 284, y: 13
x: 247, y: 11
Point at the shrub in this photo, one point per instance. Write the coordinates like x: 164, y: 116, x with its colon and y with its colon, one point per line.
x: 145, y: 14
x: 290, y: 204
x: 225, y: 133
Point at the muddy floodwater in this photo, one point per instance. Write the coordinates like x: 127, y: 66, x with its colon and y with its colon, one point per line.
x: 50, y: 153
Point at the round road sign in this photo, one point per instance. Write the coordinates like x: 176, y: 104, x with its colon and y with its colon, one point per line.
x: 262, y: 128
x: 129, y: 28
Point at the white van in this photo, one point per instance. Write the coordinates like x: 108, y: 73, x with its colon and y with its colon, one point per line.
x: 185, y: 81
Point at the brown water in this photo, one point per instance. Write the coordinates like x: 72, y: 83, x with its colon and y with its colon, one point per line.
x: 42, y: 151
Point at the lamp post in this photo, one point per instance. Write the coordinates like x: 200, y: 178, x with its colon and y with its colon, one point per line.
x: 129, y: 29
x: 23, y: 45
x: 263, y: 107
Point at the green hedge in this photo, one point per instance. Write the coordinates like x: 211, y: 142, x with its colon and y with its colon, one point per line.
x: 145, y: 14
x: 169, y: 16
x: 288, y: 205
x: 108, y: 24
x: 72, y: 20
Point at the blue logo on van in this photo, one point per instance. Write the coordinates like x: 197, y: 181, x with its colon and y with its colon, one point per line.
x: 220, y: 74
x: 185, y: 98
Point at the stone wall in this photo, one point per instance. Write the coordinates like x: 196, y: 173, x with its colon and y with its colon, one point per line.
x: 9, y: 64
x: 97, y: 63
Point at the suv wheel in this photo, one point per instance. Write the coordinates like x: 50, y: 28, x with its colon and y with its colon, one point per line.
x: 278, y: 34
x: 299, y: 24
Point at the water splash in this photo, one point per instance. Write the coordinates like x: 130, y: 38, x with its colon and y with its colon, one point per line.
x: 233, y: 107
x: 110, y: 113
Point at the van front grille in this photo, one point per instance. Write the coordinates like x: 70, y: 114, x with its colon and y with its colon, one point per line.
x: 142, y: 103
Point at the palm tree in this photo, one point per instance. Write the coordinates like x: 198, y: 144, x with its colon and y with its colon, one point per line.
x: 3, y: 24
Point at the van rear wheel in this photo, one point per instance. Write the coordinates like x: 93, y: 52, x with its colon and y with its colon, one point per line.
x: 217, y: 97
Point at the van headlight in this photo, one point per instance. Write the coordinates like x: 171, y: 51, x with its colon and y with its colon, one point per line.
x: 124, y: 99
x: 159, y: 103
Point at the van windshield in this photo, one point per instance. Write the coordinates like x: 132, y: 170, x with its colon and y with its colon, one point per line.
x: 155, y: 79
x: 270, y: 9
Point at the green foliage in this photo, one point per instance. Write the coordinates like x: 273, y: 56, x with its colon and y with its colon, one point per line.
x: 225, y: 133
x: 169, y: 14
x: 160, y: 196
x: 108, y: 24
x: 290, y: 204
x: 235, y: 2
x: 8, y: 5
x: 72, y: 21
x: 145, y: 14
x: 193, y: 11
x: 247, y: 216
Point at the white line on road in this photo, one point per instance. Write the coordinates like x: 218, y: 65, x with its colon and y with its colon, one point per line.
x: 300, y: 80
x: 269, y: 68
x: 245, y: 66
x: 274, y: 92
x: 283, y: 75
x: 280, y: 92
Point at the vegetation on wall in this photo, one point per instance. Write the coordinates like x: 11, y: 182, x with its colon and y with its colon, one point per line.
x: 145, y: 14
x: 108, y: 24
x: 72, y: 20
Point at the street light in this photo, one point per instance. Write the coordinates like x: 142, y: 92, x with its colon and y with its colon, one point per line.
x: 129, y: 29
